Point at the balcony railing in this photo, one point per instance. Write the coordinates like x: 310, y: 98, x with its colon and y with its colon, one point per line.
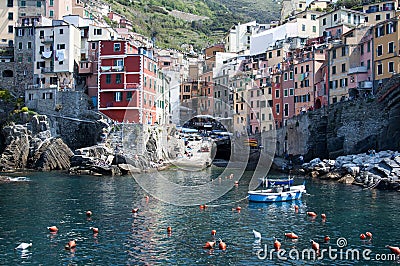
x: 358, y: 69
x: 47, y: 70
x: 112, y: 68
x: 47, y: 39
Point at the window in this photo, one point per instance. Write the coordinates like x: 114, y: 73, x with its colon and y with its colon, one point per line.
x: 313, y: 17
x: 391, y: 47
x: 277, y: 108
x: 10, y: 29
x: 324, y: 22
x: 276, y: 93
x: 108, y: 79
x: 29, y: 46
x: 61, y: 31
x: 379, y: 50
x: 362, y: 49
x: 51, y: 14
x: 391, y: 67
x: 377, y: 17
x: 38, y: 3
x: 93, y: 45
x: 285, y: 93
x: 47, y: 95
x: 117, y: 47
x: 51, y: 3
x: 291, y: 75
x: 379, y: 69
x: 10, y: 15
x: 278, y: 53
x: 118, y: 96
x: 334, y: 70
x: 391, y: 27
x: 333, y: 53
x: 295, y: 85
x: 129, y: 96
x: 97, y: 31
x: 369, y: 46
x: 379, y: 31
x: 314, y: 28
x: 344, y: 51
x: 285, y: 76
x: 368, y: 64
x: 291, y: 91
x: 10, y: 3
x: 60, y: 46
x: 23, y: 3
x: 307, y: 68
x: 348, y: 18
x: 20, y: 45
x: 335, y: 17
x: 303, y: 27
x: 286, y: 109
x: 388, y: 16
x: 19, y: 59
x: 270, y: 55
x: 343, y: 67
x: 41, y: 49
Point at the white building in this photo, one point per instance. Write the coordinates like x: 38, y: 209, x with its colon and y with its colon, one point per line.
x: 57, y: 54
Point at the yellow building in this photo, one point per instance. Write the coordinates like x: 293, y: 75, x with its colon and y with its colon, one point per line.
x: 9, y: 15
x: 386, y: 50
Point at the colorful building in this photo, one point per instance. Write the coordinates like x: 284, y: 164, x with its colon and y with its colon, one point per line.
x: 127, y: 82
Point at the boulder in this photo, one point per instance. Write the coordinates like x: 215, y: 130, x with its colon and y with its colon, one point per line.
x: 347, y: 179
x: 128, y: 169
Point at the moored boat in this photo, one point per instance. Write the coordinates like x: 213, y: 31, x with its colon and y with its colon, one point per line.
x: 277, y: 193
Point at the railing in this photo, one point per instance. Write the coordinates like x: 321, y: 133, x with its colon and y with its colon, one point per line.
x: 358, y: 69
x: 112, y: 68
x: 366, y: 85
x: 47, y: 39
x: 47, y: 70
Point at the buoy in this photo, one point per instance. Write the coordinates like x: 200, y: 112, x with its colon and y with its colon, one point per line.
x: 213, y: 232
x: 202, y: 207
x: 89, y: 213
x: 296, y: 208
x: 395, y: 250
x: 71, y: 244
x: 323, y: 216
x: 277, y: 245
x: 291, y: 235
x: 326, y: 239
x: 52, y: 229
x: 362, y: 236
x: 147, y: 198
x: 368, y: 234
x: 312, y: 214
x: 169, y: 229
x: 231, y: 176
x: 238, y: 208
x: 135, y: 210
x: 222, y: 245
x: 236, y: 182
x: 209, y: 245
x: 314, y: 245
x: 94, y: 229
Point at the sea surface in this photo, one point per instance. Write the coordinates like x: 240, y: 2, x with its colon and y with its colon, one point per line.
x: 125, y: 238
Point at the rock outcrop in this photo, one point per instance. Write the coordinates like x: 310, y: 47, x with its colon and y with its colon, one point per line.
x: 373, y: 170
x: 31, y: 146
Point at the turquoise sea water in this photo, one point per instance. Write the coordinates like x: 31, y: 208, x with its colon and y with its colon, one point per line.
x: 28, y: 208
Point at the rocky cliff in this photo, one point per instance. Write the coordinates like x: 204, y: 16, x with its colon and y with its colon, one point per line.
x: 31, y: 146
x: 343, y: 128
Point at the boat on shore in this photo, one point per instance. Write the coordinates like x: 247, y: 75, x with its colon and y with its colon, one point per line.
x: 278, y: 191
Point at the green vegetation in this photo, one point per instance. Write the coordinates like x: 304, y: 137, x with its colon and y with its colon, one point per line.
x: 152, y: 18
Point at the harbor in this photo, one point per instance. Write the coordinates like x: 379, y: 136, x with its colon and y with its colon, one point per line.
x: 142, y: 238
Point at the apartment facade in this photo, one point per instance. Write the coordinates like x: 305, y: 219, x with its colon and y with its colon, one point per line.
x: 127, y: 82
x: 9, y: 11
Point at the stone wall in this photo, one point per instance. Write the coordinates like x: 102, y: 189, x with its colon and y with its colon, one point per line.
x: 349, y: 127
x: 7, y: 82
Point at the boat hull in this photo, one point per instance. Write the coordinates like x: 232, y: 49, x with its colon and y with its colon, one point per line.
x: 294, y: 193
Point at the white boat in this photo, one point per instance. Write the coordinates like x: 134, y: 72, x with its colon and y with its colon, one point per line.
x: 277, y: 193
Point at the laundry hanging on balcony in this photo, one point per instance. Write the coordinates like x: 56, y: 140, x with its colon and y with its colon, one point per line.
x: 47, y: 54
x: 60, y: 55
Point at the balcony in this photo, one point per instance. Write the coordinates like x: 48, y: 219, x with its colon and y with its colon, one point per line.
x: 85, y: 67
x: 358, y: 69
x: 45, y: 70
x: 133, y: 86
x: 365, y: 85
x: 112, y: 68
x: 47, y: 39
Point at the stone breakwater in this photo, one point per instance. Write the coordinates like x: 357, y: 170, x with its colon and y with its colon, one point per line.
x: 374, y: 170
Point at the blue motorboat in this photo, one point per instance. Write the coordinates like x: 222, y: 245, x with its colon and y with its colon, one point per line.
x: 277, y: 193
